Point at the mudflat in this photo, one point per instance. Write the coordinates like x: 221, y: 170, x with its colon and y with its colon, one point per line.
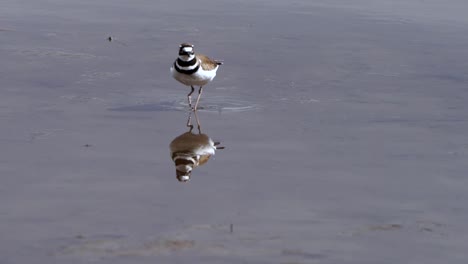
x: 345, y: 127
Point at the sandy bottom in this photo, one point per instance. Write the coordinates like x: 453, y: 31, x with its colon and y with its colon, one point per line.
x: 345, y: 129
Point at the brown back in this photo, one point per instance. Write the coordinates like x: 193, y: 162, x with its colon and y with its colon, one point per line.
x: 207, y: 64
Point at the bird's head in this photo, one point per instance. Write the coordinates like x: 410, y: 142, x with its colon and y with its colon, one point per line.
x: 183, y: 176
x: 186, y: 52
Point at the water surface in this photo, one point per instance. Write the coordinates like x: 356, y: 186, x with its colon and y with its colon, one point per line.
x: 344, y: 127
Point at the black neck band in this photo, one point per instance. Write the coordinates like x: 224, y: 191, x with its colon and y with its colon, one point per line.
x: 183, y: 63
x: 186, y: 71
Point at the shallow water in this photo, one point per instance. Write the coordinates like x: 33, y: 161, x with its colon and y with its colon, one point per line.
x: 344, y: 127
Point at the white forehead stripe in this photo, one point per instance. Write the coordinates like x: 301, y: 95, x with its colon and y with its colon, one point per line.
x: 187, y: 49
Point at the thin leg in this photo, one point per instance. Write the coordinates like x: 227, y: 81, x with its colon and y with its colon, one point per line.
x: 198, y: 122
x: 189, y: 96
x: 198, y: 98
x: 189, y: 122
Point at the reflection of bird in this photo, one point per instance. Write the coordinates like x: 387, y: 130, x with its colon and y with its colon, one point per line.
x: 193, y: 70
x: 191, y: 150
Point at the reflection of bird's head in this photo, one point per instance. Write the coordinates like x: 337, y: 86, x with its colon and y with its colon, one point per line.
x: 186, y: 51
x: 184, y: 165
x: 183, y: 176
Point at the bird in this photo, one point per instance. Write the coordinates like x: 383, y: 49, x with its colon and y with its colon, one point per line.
x: 193, y: 70
x: 191, y: 150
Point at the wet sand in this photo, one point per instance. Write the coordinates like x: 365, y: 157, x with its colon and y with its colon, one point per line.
x: 344, y: 127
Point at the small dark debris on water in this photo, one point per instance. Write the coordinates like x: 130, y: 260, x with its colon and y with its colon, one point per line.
x: 385, y: 227
x: 112, y: 39
x: 426, y: 229
x: 231, y: 228
x: 79, y: 237
x: 87, y: 145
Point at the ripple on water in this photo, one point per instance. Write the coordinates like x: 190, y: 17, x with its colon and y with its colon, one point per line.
x: 212, y: 104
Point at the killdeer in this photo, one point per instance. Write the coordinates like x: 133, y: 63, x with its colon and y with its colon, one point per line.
x: 193, y: 70
x: 191, y: 150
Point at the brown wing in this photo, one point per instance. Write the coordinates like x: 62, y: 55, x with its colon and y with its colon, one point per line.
x: 208, y: 64
x: 204, y: 159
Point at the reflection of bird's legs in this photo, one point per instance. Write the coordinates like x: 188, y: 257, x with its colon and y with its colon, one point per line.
x: 198, y: 122
x: 198, y: 98
x: 189, y: 122
x: 189, y: 96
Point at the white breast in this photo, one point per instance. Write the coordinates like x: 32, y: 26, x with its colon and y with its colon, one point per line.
x: 199, y: 78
